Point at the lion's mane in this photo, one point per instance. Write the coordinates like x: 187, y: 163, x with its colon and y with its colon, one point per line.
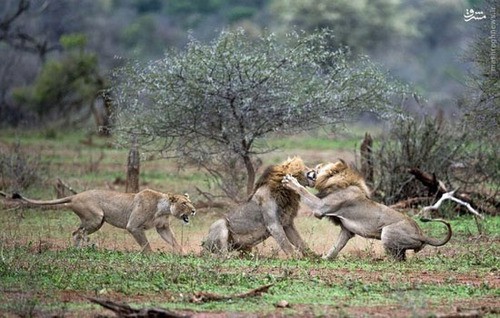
x: 287, y: 200
x: 336, y: 176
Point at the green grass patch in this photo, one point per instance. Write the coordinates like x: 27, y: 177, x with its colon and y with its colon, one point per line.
x: 38, y: 264
x: 324, y: 283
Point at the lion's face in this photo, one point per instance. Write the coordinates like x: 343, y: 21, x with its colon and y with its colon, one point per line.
x: 296, y: 167
x: 181, y: 207
x: 311, y: 176
x: 338, y: 175
x: 329, y: 174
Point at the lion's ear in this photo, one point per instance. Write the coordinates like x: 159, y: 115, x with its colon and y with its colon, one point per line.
x: 287, y: 162
x: 173, y: 198
x: 186, y: 195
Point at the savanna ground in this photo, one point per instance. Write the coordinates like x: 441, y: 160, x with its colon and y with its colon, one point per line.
x: 42, y: 275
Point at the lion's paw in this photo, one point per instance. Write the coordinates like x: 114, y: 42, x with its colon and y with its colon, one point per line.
x: 290, y: 182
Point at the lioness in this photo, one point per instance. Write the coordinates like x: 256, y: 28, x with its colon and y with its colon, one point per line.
x: 135, y: 212
x: 345, y: 199
x: 270, y: 211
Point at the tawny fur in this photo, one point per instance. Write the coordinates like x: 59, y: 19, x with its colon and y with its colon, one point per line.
x: 135, y: 212
x: 344, y: 198
x: 338, y: 175
x: 269, y: 211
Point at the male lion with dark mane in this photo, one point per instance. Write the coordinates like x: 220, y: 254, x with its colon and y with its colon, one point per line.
x: 269, y: 211
x: 345, y: 199
x: 135, y: 212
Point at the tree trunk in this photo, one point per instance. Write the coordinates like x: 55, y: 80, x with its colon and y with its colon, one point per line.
x: 435, y: 186
x: 101, y: 109
x: 133, y: 167
x: 367, y: 158
x: 250, y: 173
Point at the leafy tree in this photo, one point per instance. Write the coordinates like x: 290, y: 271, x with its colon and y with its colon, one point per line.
x: 427, y: 143
x: 64, y: 85
x: 213, y: 105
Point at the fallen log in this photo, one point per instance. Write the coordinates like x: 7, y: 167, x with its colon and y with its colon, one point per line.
x: 435, y: 186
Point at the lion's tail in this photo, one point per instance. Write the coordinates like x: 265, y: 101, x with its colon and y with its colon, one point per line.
x: 39, y: 202
x: 434, y: 241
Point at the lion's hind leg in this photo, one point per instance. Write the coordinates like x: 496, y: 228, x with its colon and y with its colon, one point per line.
x: 91, y: 220
x: 80, y: 237
x: 217, y: 240
x: 399, y: 237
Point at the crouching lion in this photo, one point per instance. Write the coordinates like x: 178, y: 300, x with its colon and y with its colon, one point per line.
x: 344, y: 198
x: 135, y: 212
x: 269, y: 211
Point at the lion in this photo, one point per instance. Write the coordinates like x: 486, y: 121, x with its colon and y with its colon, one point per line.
x: 135, y: 212
x: 344, y: 198
x: 269, y: 211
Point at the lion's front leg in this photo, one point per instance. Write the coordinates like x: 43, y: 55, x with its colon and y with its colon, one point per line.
x: 168, y: 236
x: 135, y: 226
x: 278, y: 233
x: 309, y: 199
x: 140, y: 238
x: 295, y: 238
x: 344, y: 236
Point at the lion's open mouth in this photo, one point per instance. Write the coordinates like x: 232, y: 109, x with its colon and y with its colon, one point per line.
x: 311, y: 178
x: 185, y: 218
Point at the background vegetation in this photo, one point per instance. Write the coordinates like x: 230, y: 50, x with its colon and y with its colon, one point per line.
x: 41, y: 274
x: 67, y: 66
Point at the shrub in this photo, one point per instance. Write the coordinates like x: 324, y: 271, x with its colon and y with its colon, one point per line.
x: 433, y: 146
x: 429, y: 144
x: 18, y: 170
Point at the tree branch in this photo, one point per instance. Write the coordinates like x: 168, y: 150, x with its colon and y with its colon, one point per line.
x: 449, y: 196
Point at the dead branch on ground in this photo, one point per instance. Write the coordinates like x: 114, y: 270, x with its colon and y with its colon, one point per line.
x: 449, y: 196
x: 124, y: 310
x: 200, y: 297
x: 437, y: 189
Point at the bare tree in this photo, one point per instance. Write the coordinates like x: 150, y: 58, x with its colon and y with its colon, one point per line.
x: 14, y: 32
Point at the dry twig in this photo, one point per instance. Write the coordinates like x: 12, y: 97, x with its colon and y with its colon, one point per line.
x: 125, y: 311
x: 200, y: 297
